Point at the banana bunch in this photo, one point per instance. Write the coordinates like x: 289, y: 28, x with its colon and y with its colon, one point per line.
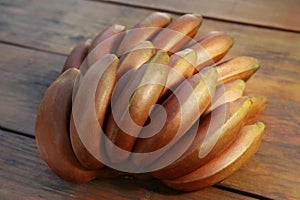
x: 151, y: 100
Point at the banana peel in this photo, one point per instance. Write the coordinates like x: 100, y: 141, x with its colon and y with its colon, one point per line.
x: 223, y: 165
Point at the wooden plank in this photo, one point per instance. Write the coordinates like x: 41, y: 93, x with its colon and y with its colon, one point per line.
x: 60, y: 25
x: 278, y: 78
x: 276, y: 14
x: 270, y: 172
x: 25, y: 75
x: 23, y: 175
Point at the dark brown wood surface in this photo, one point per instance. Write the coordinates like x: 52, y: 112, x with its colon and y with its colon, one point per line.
x: 35, y: 37
x: 274, y: 14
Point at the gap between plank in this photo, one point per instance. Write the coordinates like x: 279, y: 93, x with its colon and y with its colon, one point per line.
x: 32, y: 48
x: 147, y: 8
x: 16, y: 132
x: 207, y: 17
x: 241, y: 192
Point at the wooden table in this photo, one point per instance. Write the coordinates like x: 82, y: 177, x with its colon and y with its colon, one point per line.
x: 36, y: 36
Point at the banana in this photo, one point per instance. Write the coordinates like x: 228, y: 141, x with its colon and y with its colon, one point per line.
x: 143, y: 31
x: 85, y: 158
x: 187, y: 124
x: 211, y: 48
x: 182, y: 66
x: 178, y: 33
x: 182, y: 109
x: 77, y: 56
x: 136, y: 57
x: 200, y: 38
x: 228, y: 92
x: 134, y: 104
x: 242, y: 67
x: 223, y: 165
x: 238, y: 113
x: 258, y: 105
x: 213, y: 135
x: 89, y: 127
x: 209, y: 142
x: 52, y: 130
x: 106, y: 42
x: 131, y: 61
x: 105, y: 34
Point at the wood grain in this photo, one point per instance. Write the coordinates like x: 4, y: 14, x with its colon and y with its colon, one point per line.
x: 25, y: 75
x: 276, y: 14
x: 273, y: 171
x: 23, y: 175
x: 58, y: 26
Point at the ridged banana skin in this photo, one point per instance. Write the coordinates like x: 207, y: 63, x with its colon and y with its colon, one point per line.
x: 85, y: 158
x: 52, y: 130
x: 103, y: 94
x: 106, y: 42
x: 137, y: 56
x: 178, y: 33
x: 77, y: 56
x: 105, y: 34
x: 200, y: 38
x: 182, y: 65
x: 208, y: 48
x: 258, y: 105
x: 241, y: 67
x: 143, y: 31
x: 223, y: 165
x: 212, y: 48
x: 213, y: 136
x: 143, y: 98
x: 226, y: 93
x: 185, y: 114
